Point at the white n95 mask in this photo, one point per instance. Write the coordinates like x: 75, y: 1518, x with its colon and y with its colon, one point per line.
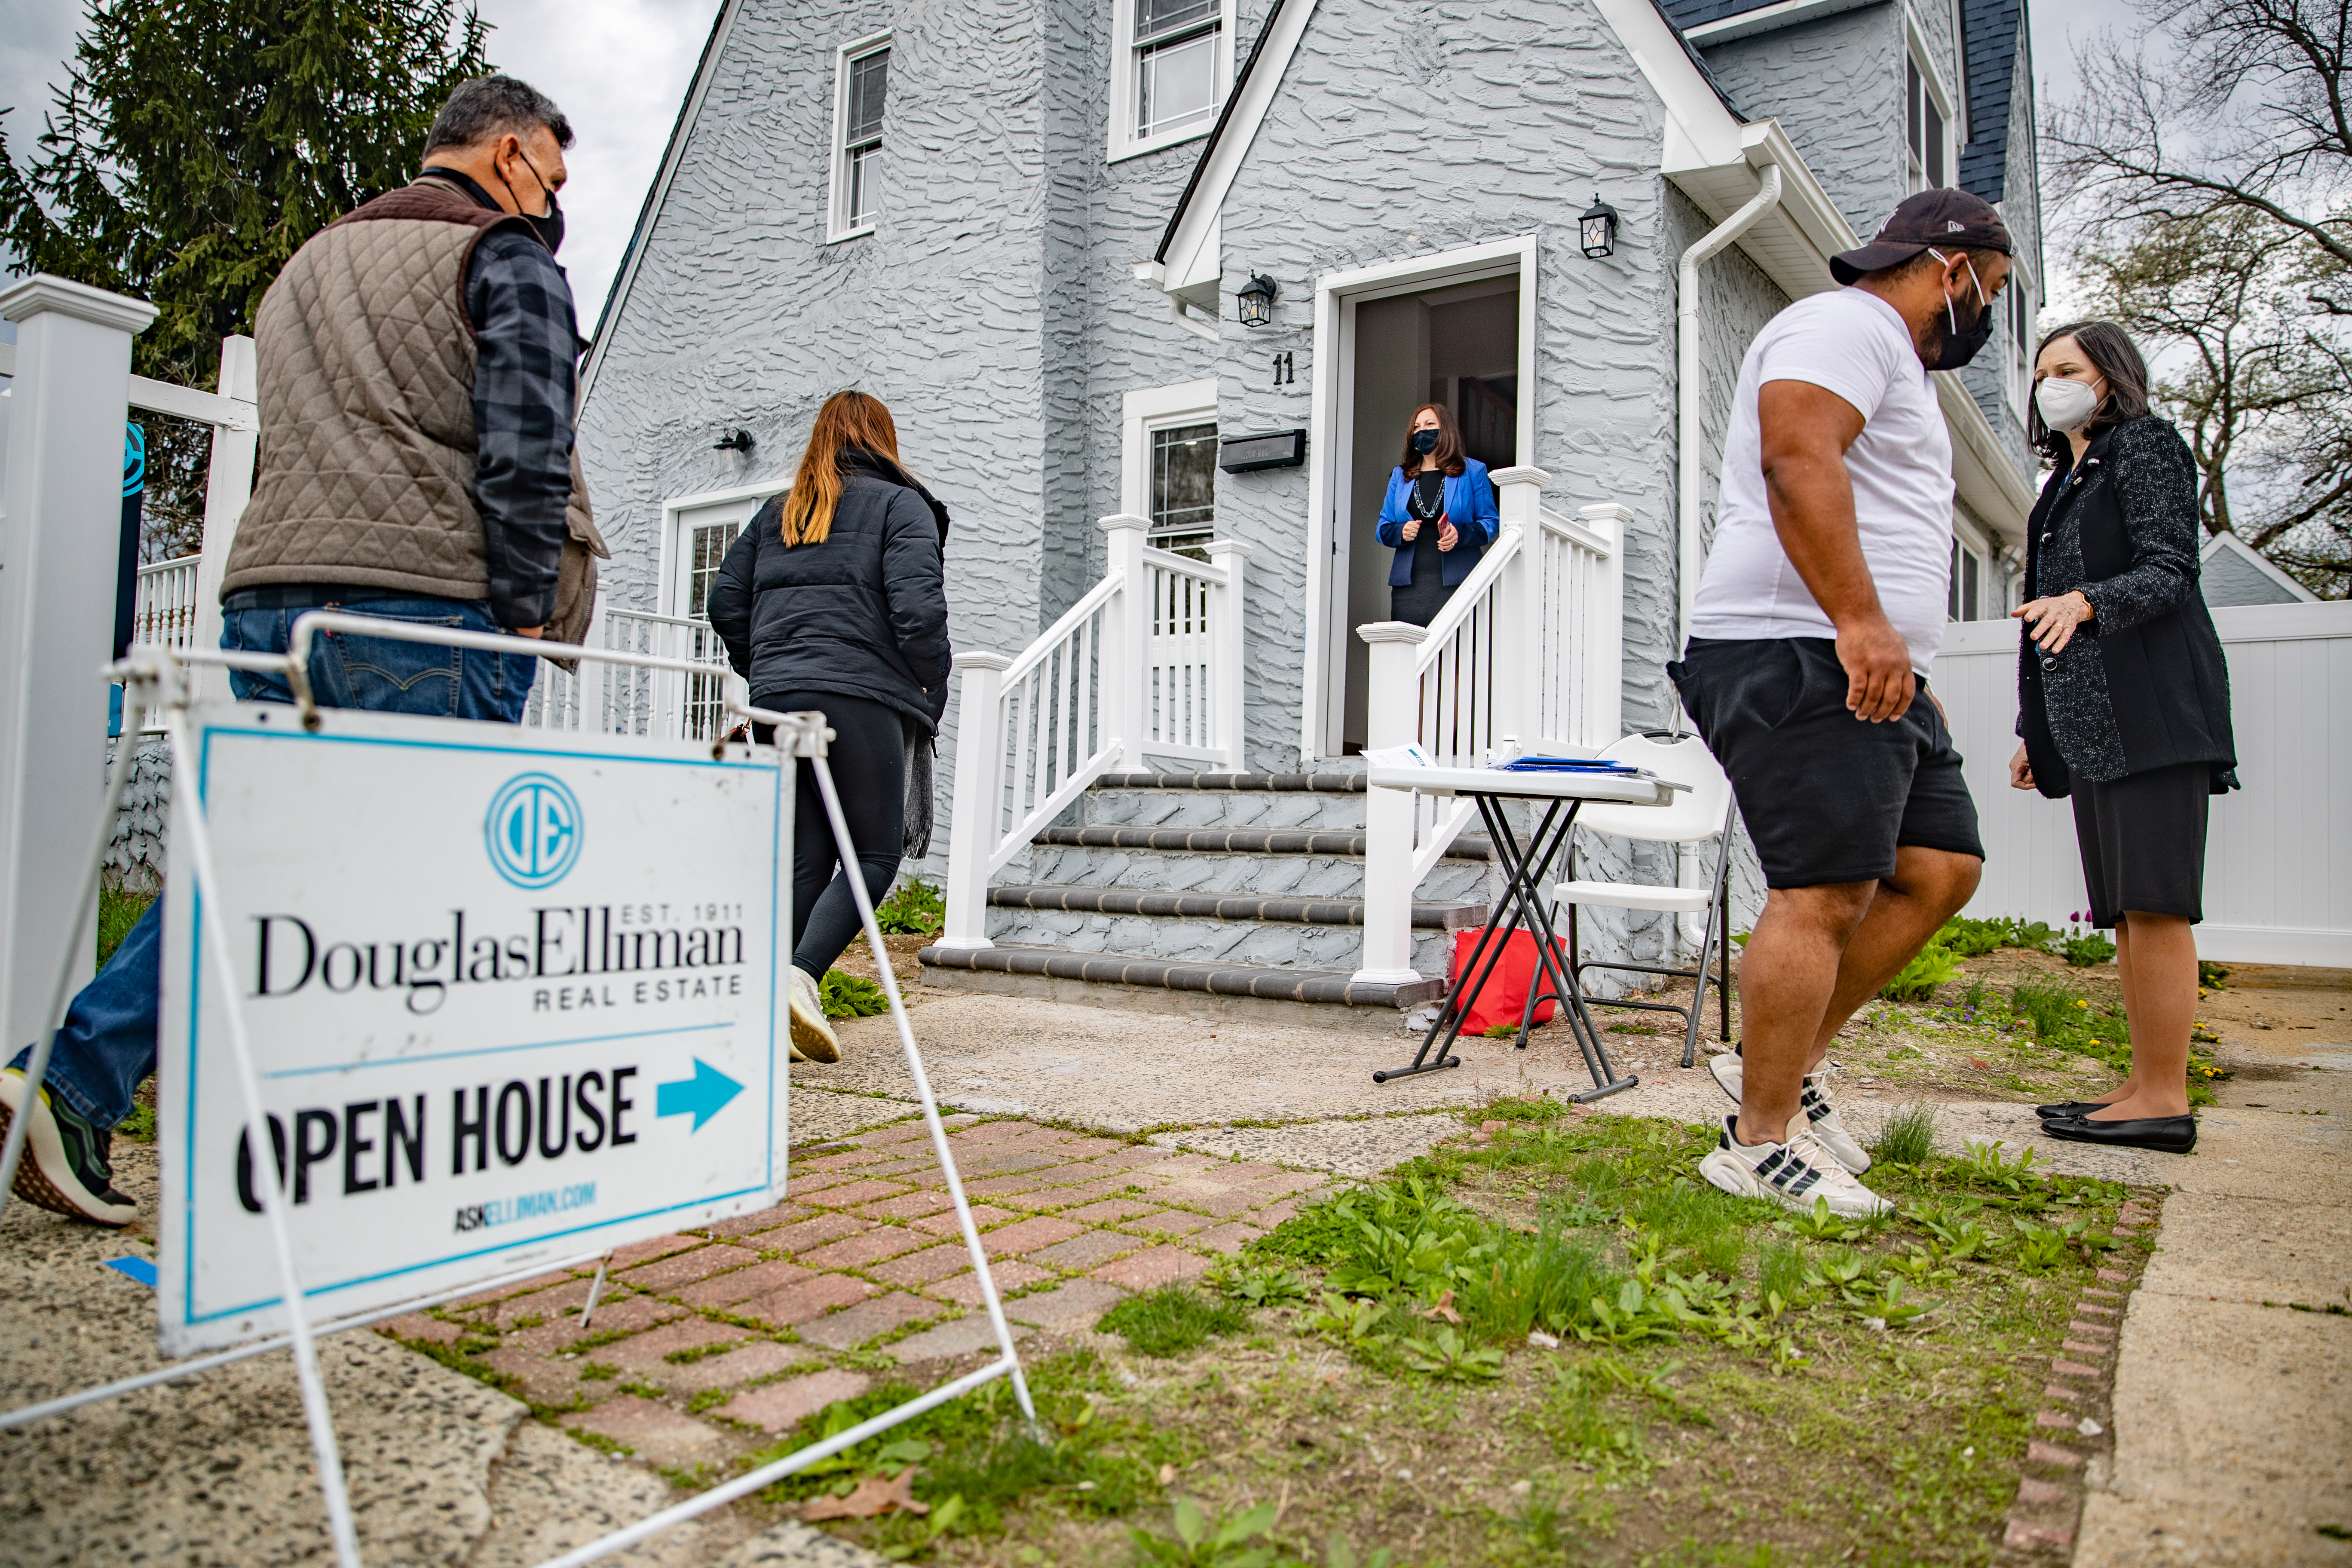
x: 2066, y: 406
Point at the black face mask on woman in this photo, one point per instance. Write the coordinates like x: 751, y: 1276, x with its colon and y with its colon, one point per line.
x: 1424, y: 442
x: 1956, y: 344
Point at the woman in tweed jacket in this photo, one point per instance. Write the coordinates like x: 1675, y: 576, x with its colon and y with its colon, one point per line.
x: 2124, y: 704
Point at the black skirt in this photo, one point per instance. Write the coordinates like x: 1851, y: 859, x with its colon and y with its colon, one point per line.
x: 2143, y: 841
x: 1419, y: 601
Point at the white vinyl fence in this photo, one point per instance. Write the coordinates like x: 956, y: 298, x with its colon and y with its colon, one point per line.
x: 2278, y: 857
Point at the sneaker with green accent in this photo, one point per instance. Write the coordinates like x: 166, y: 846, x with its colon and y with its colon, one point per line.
x: 65, y: 1166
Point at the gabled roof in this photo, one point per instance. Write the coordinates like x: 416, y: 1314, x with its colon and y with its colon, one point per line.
x: 1988, y: 35
x: 1989, y: 30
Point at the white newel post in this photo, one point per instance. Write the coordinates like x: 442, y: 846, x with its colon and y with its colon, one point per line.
x: 1127, y: 623
x: 1391, y: 711
x: 978, y: 796
x: 228, y: 485
x: 60, y: 546
x: 1228, y: 629
x: 1606, y: 611
x: 1519, y: 637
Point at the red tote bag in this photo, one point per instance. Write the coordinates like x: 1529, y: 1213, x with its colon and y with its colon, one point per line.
x: 1514, y: 975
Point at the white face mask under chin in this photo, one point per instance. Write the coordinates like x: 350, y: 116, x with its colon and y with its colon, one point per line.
x: 2066, y: 406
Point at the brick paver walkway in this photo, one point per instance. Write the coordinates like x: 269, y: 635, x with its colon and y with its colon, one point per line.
x: 713, y: 1341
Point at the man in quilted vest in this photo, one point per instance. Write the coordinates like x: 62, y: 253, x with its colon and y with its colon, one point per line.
x: 416, y: 385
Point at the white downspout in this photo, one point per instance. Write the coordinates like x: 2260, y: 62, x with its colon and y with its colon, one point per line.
x: 1689, y: 384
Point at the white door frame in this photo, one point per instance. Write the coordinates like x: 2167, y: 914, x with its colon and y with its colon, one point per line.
x: 666, y: 601
x: 1329, y: 444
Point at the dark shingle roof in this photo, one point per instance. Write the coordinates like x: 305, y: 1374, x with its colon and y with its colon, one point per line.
x: 1990, y: 28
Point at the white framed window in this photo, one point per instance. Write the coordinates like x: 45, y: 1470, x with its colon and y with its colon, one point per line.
x: 1172, y: 65
x: 697, y: 532
x: 1168, y: 462
x: 2025, y: 311
x: 1976, y: 593
x: 861, y: 85
x: 1927, y: 123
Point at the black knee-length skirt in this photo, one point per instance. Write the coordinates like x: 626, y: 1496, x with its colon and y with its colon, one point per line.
x: 2143, y: 840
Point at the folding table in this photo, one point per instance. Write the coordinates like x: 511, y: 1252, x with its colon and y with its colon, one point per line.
x: 1562, y: 794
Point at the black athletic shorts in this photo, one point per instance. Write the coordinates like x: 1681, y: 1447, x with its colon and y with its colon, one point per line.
x: 1826, y: 797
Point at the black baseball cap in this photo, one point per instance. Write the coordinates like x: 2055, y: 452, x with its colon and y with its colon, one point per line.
x: 1939, y: 216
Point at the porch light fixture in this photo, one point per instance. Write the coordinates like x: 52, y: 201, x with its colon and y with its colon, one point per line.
x: 1598, y: 228
x: 1257, y: 296
x: 735, y: 441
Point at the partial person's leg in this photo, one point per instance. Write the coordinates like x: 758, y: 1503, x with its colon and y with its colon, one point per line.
x: 1786, y: 977
x: 2129, y: 975
x: 869, y: 758
x: 1929, y: 886
x: 2162, y: 951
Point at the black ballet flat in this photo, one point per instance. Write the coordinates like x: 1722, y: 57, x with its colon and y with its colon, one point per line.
x: 2068, y: 1107
x: 2164, y: 1134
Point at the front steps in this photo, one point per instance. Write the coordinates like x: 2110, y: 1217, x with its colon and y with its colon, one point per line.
x: 1223, y: 894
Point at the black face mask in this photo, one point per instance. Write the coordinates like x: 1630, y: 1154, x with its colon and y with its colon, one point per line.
x: 548, y: 226
x: 1956, y: 344
x: 1424, y: 442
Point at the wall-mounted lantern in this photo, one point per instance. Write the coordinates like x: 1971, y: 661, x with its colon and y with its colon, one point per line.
x: 735, y: 441
x: 1598, y: 228
x: 1257, y: 296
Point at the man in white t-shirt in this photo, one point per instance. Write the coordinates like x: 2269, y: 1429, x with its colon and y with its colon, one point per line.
x: 1820, y: 612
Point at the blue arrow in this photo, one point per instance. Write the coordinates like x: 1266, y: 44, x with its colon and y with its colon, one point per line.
x: 703, y: 1095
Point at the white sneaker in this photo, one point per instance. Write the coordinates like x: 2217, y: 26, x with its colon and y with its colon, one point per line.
x: 1815, y: 1101
x: 812, y: 1036
x: 1795, y: 1174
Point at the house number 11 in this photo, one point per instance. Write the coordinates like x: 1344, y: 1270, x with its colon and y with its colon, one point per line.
x: 1286, y: 369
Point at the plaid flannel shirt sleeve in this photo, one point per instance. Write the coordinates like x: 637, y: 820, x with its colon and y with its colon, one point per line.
x: 526, y: 342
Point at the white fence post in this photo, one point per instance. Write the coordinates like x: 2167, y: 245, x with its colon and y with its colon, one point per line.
x: 1604, y: 612
x: 1520, y: 609
x: 1392, y: 714
x: 228, y: 486
x: 1126, y: 626
x: 979, y: 797
x: 1229, y: 641
x: 61, y: 541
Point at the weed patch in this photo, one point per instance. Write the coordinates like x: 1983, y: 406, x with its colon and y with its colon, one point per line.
x: 1172, y: 1321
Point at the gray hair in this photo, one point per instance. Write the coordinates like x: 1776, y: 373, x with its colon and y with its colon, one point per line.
x: 492, y: 106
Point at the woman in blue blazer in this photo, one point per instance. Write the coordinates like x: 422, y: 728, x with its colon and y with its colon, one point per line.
x: 1439, y: 516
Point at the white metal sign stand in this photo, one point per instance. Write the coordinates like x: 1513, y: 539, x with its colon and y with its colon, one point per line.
x: 160, y: 677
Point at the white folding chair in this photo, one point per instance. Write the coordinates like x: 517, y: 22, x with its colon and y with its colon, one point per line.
x: 1702, y: 812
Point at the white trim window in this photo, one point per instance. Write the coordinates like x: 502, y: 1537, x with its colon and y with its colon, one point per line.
x: 2024, y: 310
x: 1927, y: 126
x: 1172, y: 66
x: 1977, y: 592
x: 1168, y: 462
x: 861, y: 85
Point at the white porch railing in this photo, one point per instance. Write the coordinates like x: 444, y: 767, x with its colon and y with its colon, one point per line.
x: 164, y: 614
x: 1525, y: 657
x: 1148, y: 663
x: 612, y: 699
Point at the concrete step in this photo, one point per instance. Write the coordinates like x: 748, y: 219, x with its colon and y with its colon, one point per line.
x: 1205, y: 871
x: 1432, y: 914
x: 1266, y: 944
x: 1240, y: 841
x: 1297, y: 994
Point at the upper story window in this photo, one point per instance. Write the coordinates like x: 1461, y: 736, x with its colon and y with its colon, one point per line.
x: 1172, y: 65
x: 862, y: 79
x: 2022, y: 310
x: 1928, y: 126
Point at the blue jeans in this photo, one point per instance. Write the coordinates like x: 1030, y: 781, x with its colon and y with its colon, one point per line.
x: 108, y: 1045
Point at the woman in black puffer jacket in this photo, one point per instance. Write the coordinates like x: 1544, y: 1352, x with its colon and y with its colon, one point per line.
x: 833, y: 598
x: 2124, y: 703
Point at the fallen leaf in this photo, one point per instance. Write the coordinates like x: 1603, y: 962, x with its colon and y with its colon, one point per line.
x: 1445, y: 1309
x: 875, y: 1495
x: 1167, y: 1475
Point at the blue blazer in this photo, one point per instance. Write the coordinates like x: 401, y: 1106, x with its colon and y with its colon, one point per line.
x: 1469, y: 506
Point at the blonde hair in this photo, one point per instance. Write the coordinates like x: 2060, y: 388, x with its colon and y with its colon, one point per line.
x: 848, y: 419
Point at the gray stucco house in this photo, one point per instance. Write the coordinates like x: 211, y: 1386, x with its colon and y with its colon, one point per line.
x: 1028, y: 226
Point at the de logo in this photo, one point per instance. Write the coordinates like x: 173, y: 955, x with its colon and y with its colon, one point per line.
x: 533, y: 830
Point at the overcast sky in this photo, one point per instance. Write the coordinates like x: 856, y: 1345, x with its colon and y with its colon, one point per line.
x: 619, y: 67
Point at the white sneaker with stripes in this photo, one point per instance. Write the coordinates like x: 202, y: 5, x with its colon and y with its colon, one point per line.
x: 1796, y: 1175
x: 1815, y: 1103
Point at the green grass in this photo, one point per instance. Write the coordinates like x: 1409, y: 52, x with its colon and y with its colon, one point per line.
x: 1172, y: 1321
x: 1908, y: 1136
x: 118, y: 911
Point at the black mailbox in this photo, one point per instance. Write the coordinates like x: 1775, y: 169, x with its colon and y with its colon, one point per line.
x: 1275, y: 449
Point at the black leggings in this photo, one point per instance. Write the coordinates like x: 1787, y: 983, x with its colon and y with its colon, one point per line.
x: 869, y: 757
